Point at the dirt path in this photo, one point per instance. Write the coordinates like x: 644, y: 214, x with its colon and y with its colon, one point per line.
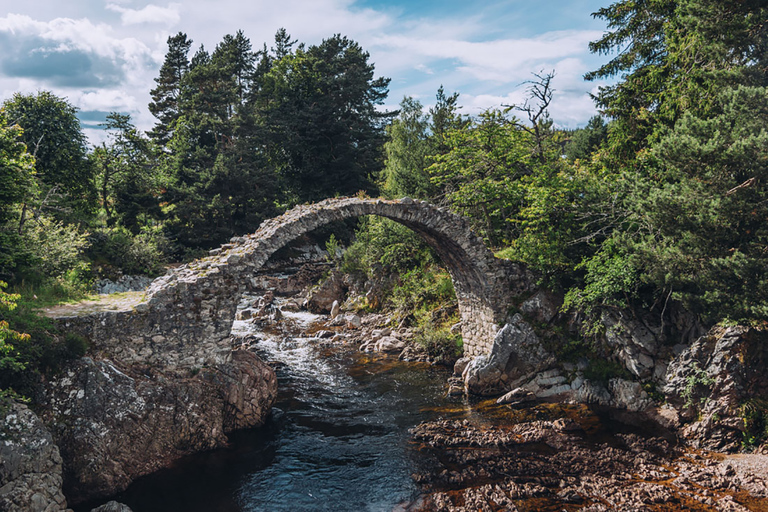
x: 115, y: 302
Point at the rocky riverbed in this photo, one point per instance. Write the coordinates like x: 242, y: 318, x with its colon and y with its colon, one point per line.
x: 555, y: 465
x: 537, y: 453
x: 131, y: 408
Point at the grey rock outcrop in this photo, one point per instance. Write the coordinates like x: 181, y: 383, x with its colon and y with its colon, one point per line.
x: 114, y: 424
x: 542, y: 306
x: 123, y: 284
x: 30, y: 464
x: 711, y: 382
x: 516, y: 356
x: 632, y: 342
x: 322, y: 297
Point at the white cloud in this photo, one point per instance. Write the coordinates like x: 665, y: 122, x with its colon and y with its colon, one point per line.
x: 104, y: 54
x: 149, y: 14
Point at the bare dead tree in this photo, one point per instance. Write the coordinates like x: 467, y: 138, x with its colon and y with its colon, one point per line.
x: 536, y: 109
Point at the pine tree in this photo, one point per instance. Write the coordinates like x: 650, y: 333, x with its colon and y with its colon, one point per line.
x: 165, y: 97
x: 326, y: 135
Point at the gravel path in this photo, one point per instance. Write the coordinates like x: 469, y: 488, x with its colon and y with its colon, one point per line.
x: 115, y: 302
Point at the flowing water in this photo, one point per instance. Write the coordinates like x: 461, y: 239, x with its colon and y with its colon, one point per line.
x: 337, y: 440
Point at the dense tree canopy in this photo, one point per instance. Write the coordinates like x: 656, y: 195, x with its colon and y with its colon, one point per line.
x: 52, y: 133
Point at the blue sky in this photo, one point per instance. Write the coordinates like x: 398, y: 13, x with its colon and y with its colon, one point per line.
x: 102, y: 55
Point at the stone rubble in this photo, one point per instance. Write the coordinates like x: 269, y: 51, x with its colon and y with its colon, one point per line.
x: 122, y: 285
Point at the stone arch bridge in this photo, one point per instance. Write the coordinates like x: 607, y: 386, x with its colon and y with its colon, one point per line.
x: 197, y: 301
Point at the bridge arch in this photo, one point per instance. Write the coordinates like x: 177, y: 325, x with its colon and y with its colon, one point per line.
x: 198, y: 300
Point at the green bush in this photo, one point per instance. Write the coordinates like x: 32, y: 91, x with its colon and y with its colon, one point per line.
x: 442, y: 346
x: 76, y: 345
x: 53, y: 250
x: 382, y: 245
x: 603, y: 370
x: 144, y: 253
x: 754, y: 414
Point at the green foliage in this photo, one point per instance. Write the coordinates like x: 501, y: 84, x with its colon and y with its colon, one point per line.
x: 165, y: 97
x: 332, y: 247
x: 53, y: 248
x: 37, y: 347
x: 611, y: 279
x: 585, y: 141
x: 325, y: 132
x: 479, y: 175
x: 17, y: 184
x: 145, y: 253
x: 406, y: 149
x: 10, y: 360
x: 127, y: 176
x: 442, y: 346
x: 602, y: 370
x: 754, y: 415
x: 53, y: 135
x: 385, y: 247
x: 420, y: 292
x: 76, y: 345
x: 694, y: 383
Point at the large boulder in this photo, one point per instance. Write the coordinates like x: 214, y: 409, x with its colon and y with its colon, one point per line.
x: 517, y: 355
x: 114, y: 424
x: 322, y: 297
x: 30, y: 464
x: 718, y: 385
x: 112, y: 506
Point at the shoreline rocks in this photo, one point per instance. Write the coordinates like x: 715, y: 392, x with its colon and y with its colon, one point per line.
x: 30, y: 463
x: 114, y: 423
x: 553, y: 464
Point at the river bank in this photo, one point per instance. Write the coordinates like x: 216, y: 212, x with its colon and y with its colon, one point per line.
x: 364, y: 430
x: 538, y: 447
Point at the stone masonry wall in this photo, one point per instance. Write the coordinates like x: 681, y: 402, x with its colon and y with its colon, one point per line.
x: 196, y: 302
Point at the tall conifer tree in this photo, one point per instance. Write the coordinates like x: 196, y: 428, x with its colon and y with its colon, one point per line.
x: 165, y: 97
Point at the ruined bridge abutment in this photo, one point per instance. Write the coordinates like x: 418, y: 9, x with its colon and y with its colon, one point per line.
x: 197, y: 301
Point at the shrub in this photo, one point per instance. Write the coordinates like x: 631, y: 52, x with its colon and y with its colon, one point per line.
x: 144, y: 253
x: 442, y: 346
x: 53, y: 248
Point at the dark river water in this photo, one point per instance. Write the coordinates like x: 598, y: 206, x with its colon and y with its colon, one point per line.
x: 337, y: 440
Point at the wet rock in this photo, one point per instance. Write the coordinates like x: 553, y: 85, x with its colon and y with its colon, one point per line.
x: 114, y: 424
x: 592, y: 393
x: 244, y: 314
x: 547, y: 465
x: 460, y: 365
x: 291, y: 306
x: 30, y: 463
x: 389, y: 344
x: 517, y: 396
x: 416, y: 352
x: 628, y: 395
x: 335, y: 309
x: 112, y: 506
x: 353, y: 321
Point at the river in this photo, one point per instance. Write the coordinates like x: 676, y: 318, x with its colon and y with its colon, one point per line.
x: 338, y: 437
